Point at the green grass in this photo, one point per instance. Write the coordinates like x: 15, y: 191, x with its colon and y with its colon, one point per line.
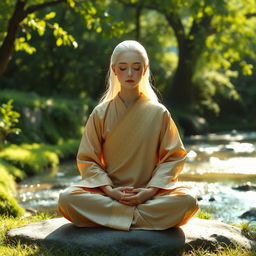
x: 221, y: 252
x: 203, y: 215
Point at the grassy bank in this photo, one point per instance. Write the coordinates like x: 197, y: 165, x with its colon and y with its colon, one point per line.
x: 51, y: 129
x: 20, y: 161
x: 30, y: 159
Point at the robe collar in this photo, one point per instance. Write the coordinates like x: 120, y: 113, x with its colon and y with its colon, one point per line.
x: 141, y: 98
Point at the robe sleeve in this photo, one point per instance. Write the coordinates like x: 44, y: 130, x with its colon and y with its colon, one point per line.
x: 90, y: 160
x: 171, y: 156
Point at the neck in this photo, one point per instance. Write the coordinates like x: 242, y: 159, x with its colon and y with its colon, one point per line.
x: 129, y: 96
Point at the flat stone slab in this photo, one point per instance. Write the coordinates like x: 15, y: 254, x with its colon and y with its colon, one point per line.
x: 198, y: 233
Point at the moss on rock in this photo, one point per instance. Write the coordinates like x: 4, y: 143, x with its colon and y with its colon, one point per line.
x: 8, y: 205
x: 6, y: 179
x: 35, y: 158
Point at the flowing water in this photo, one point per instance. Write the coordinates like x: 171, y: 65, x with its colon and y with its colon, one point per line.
x: 216, y: 163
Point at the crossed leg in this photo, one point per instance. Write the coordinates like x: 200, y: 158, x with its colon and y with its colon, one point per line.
x: 87, y: 207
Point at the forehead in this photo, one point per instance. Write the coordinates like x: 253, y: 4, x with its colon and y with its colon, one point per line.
x: 129, y: 57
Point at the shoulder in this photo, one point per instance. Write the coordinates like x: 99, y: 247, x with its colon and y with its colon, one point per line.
x: 158, y: 107
x: 100, y: 109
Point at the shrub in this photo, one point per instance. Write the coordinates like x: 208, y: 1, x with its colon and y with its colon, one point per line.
x: 6, y: 179
x: 7, y: 168
x: 8, y: 120
x: 35, y: 158
x: 9, y: 205
x: 48, y: 120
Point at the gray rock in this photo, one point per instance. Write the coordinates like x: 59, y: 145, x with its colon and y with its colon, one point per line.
x: 251, y: 214
x: 246, y: 187
x: 198, y: 233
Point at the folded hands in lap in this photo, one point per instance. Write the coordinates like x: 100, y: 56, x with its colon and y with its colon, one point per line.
x: 129, y: 195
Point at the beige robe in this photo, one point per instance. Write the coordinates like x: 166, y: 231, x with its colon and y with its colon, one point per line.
x: 137, y: 146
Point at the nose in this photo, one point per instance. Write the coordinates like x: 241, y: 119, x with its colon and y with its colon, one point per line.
x: 129, y: 72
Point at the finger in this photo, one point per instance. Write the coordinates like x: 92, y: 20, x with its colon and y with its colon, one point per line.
x: 137, y: 190
x: 129, y: 198
x: 126, y: 202
x: 127, y: 194
x: 127, y: 188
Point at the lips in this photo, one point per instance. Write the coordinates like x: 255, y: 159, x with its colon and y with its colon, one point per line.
x: 129, y: 81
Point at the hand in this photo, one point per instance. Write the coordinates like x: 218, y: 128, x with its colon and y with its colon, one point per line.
x: 140, y: 195
x: 117, y: 193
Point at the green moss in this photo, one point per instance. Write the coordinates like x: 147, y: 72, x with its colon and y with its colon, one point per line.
x: 35, y: 158
x: 9, y: 205
x: 6, y: 179
x: 17, y: 173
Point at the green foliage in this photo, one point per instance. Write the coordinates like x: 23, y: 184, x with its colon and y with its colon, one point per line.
x: 93, y: 13
x: 215, y: 35
x: 8, y: 119
x: 6, y: 178
x: 9, y: 205
x: 36, y: 158
x: 45, y: 119
x: 212, y: 83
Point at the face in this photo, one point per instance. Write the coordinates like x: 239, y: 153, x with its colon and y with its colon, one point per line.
x: 129, y: 69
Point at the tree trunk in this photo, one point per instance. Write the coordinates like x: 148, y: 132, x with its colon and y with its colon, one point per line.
x: 180, y: 93
x: 181, y: 90
x: 18, y: 15
x: 7, y: 47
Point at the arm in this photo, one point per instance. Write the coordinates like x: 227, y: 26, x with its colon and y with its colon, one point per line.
x: 171, y: 155
x: 89, y: 157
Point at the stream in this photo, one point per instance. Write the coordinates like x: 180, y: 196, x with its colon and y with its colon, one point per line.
x: 216, y: 163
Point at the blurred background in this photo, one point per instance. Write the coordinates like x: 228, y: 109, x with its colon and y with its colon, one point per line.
x: 54, y: 58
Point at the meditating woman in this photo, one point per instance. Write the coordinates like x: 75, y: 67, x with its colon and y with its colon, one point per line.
x: 130, y: 156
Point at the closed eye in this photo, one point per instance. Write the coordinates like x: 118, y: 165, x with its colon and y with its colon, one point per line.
x: 136, y: 69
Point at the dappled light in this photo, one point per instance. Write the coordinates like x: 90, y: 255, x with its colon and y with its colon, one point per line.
x: 57, y: 63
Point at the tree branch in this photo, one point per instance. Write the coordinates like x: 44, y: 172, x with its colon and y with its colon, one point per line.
x: 250, y: 15
x: 175, y: 22
x: 20, y: 13
x: 37, y: 7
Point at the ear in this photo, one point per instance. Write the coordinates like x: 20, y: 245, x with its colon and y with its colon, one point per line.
x: 113, y: 68
x: 145, y: 69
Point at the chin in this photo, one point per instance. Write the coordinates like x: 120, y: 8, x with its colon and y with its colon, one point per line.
x: 130, y: 87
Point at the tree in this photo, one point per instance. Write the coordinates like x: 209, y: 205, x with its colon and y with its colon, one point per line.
x: 204, y: 30
x: 16, y: 15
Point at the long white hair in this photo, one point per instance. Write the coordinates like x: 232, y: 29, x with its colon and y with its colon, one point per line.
x: 113, y: 85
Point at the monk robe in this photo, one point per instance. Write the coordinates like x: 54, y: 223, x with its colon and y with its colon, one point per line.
x: 137, y: 146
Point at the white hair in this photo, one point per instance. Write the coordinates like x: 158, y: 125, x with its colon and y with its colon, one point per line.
x: 113, y: 85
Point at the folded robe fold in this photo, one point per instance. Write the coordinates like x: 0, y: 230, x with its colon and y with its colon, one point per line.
x: 137, y: 146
